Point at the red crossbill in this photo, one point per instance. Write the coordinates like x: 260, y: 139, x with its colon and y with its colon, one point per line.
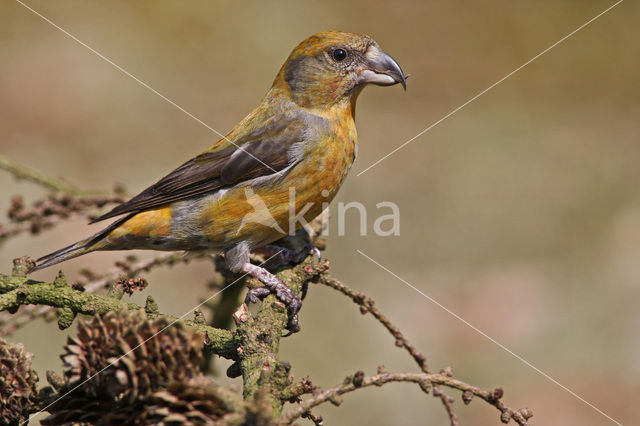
x: 301, y: 140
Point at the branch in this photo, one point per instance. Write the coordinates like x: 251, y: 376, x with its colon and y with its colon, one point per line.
x: 10, y: 323
x: 22, y: 172
x: 222, y: 307
x: 422, y: 379
x: 19, y: 291
x: 368, y: 305
x: 49, y: 211
x: 90, y: 282
x: 259, y: 342
x: 64, y: 201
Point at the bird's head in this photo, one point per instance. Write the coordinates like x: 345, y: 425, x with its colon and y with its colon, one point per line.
x: 333, y: 66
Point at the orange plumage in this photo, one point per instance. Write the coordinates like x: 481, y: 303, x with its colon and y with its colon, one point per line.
x: 235, y: 196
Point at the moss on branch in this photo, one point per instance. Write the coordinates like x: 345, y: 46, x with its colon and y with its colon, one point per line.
x: 259, y: 343
x: 19, y: 291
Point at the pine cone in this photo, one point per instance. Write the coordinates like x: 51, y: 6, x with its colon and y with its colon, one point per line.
x: 192, y: 402
x: 78, y: 408
x: 18, y: 391
x: 138, y: 355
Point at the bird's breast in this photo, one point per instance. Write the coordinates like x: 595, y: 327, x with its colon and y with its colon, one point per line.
x: 267, y: 208
x: 324, y: 168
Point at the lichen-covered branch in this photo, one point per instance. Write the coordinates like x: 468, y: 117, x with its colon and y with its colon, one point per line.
x: 18, y: 291
x: 91, y: 282
x: 259, y: 342
x: 223, y: 306
x: 255, y: 344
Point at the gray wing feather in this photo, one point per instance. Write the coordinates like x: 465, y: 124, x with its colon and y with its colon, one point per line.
x: 262, y: 152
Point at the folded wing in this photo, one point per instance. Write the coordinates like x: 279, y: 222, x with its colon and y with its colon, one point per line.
x: 264, y: 151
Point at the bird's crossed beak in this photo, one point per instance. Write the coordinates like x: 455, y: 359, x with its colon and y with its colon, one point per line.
x: 381, y: 69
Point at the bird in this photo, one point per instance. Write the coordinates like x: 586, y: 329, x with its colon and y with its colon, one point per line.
x: 236, y: 196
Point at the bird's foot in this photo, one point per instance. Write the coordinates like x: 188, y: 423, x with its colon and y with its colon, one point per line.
x: 273, y: 284
x: 278, y: 256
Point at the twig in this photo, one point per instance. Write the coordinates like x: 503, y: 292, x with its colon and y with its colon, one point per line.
x: 296, y: 390
x: 368, y: 305
x: 48, y: 211
x: 423, y: 379
x: 64, y: 201
x: 10, y: 323
x: 317, y: 420
x: 130, y: 267
x: 25, y: 173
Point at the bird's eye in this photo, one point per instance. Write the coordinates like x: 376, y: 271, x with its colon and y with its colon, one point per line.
x: 339, y: 55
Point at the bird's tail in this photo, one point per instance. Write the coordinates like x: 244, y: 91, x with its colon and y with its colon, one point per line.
x: 74, y: 250
x: 93, y: 243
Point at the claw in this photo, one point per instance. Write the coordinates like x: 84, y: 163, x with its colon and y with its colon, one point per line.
x: 283, y: 292
x: 292, y: 326
x: 255, y: 295
x: 315, y: 251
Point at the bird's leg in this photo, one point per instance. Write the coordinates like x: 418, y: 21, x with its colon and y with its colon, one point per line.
x: 273, y: 284
x: 237, y: 258
x: 278, y: 256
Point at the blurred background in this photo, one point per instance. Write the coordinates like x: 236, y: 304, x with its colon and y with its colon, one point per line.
x: 520, y: 213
